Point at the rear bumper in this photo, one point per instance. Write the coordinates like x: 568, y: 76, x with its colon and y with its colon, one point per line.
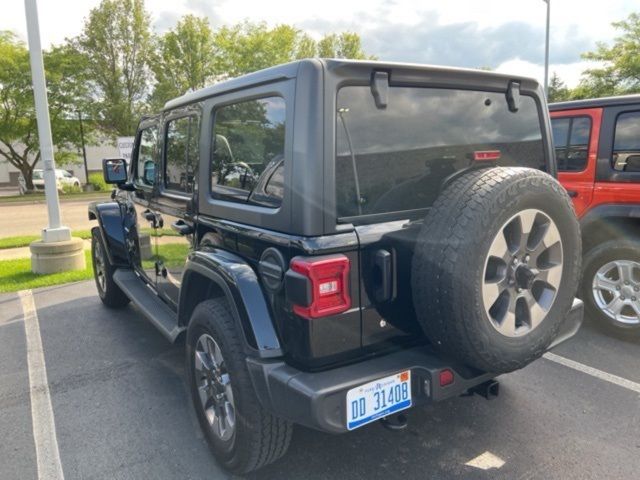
x: 318, y: 400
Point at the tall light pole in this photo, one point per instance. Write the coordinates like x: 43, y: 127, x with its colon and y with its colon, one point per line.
x: 84, y: 150
x: 55, y: 232
x: 57, y: 251
x: 546, y: 50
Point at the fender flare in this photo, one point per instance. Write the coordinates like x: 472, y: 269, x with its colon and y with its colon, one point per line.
x: 239, y: 284
x: 610, y: 210
x: 110, y: 223
x: 608, y: 221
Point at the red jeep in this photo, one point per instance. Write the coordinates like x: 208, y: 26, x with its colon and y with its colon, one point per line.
x: 598, y: 152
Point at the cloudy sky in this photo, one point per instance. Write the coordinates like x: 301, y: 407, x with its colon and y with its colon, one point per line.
x: 507, y: 35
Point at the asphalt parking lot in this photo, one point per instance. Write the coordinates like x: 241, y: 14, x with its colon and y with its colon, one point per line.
x: 121, y: 410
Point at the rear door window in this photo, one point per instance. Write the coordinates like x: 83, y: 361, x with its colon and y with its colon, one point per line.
x: 248, y: 151
x: 571, y: 139
x: 396, y: 159
x: 626, y: 144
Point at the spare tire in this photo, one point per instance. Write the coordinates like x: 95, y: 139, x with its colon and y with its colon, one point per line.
x: 496, y: 267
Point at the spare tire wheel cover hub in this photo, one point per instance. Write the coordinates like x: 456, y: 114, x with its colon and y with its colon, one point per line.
x: 522, y: 273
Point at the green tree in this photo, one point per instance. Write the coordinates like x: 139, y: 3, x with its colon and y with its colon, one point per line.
x: 67, y: 93
x: 558, y: 90
x: 184, y: 59
x: 342, y: 45
x: 619, y: 72
x: 117, y: 43
x: 247, y: 47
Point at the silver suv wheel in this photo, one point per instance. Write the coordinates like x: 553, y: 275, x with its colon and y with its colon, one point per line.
x: 214, y: 387
x: 522, y: 273
x: 616, y: 291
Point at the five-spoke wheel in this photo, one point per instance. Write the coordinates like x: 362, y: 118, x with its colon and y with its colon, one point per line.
x: 616, y: 290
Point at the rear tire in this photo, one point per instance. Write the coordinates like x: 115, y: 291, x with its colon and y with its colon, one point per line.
x: 496, y: 267
x: 606, y: 268
x: 110, y: 293
x: 257, y: 437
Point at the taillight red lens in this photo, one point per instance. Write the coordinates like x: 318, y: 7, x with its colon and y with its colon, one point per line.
x: 329, y: 277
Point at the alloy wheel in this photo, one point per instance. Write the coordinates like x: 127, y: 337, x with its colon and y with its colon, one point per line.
x: 616, y: 291
x: 522, y: 273
x: 214, y: 387
x: 99, y: 267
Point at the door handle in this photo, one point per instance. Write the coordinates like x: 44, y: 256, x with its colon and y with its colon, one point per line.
x: 182, y: 228
x: 383, y: 289
x: 149, y: 215
x: 155, y: 218
x: 572, y: 193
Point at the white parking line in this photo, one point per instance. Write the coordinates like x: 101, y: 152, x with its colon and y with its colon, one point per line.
x: 594, y: 372
x: 44, y: 428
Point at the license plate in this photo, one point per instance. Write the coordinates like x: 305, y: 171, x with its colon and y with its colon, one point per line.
x: 377, y: 399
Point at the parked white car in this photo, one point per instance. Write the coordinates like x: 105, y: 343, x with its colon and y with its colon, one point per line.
x: 62, y: 178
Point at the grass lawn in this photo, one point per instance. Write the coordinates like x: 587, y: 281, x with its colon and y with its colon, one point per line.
x: 25, y: 240
x: 17, y: 275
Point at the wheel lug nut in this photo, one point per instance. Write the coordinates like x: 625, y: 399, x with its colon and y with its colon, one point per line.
x: 633, y: 299
x: 622, y: 298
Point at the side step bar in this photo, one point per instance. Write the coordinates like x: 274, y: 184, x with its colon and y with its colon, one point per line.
x: 158, y: 313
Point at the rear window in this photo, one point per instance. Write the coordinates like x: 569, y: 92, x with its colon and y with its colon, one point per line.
x: 398, y: 157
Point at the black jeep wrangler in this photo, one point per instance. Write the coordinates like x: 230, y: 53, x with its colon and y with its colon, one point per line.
x: 339, y: 241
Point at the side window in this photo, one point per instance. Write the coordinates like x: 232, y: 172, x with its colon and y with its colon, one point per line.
x: 571, y: 138
x: 146, y: 156
x: 626, y: 144
x: 248, y: 151
x: 181, y: 154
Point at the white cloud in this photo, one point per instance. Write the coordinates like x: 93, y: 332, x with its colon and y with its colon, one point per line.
x: 569, y: 72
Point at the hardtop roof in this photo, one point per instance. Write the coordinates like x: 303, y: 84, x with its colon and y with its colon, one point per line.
x: 290, y: 70
x: 595, y: 102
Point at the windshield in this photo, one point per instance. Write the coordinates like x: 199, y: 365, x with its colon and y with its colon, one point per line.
x: 396, y: 158
x: 37, y: 175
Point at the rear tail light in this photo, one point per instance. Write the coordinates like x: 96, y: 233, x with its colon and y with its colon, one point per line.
x: 319, y: 286
x: 486, y: 155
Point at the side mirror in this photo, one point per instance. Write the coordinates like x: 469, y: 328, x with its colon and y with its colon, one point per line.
x: 114, y: 170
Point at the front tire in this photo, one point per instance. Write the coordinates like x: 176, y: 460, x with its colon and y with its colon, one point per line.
x: 242, y: 435
x: 611, y: 286
x: 110, y: 293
